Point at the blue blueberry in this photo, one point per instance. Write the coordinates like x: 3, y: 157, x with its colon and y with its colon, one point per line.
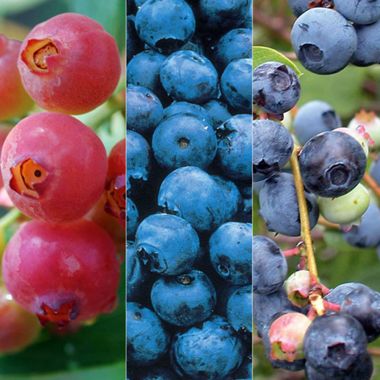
x: 144, y: 70
x: 184, y: 300
x: 144, y: 109
x: 166, y: 244
x: 194, y: 195
x: 323, y: 47
x: 368, y: 49
x: 132, y: 218
x: 269, y: 265
x: 188, y: 108
x: 362, y: 12
x: 184, y: 140
x: 374, y: 170
x: 231, y: 252
x: 157, y: 373
x: 136, y: 275
x: 239, y: 309
x: 211, y: 351
x: 147, y: 339
x: 272, y: 146
x: 165, y: 25
x: 235, y: 147
x: 134, y: 45
x: 138, y: 159
x: 299, y: 6
x: 217, y: 112
x: 186, y: 75
x: 236, y: 85
x: 332, y: 164
x: 315, y: 117
x: 279, y: 206
x: 224, y: 293
x: 235, y: 44
x: 276, y: 88
x: 217, y: 15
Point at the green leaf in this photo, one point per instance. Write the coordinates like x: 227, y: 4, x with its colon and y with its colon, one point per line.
x: 262, y: 54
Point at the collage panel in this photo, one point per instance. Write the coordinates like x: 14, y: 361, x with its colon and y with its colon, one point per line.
x: 189, y: 187
x: 316, y: 244
x: 62, y: 195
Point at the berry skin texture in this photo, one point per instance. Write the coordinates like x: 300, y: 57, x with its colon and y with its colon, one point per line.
x: 313, y: 118
x: 184, y: 140
x: 276, y: 88
x: 272, y: 146
x: 184, y: 300
x: 368, y: 51
x: 14, y: 101
x: 18, y: 327
x: 359, y: 11
x: 269, y: 265
x: 187, y: 108
x: 334, y: 343
x: 323, y: 47
x: 239, y: 310
x: 188, y: 76
x: 217, y: 111
x: 60, y: 68
x: 332, y: 164
x: 211, y: 351
x: 132, y: 218
x: 299, y: 6
x: 64, y: 283
x: 230, y: 252
x: 166, y: 244
x: 54, y: 167
x: 147, y: 339
x: 236, y: 85
x: 165, y: 25
x: 234, y: 152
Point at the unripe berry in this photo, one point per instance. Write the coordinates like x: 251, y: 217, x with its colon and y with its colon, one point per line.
x: 297, y: 287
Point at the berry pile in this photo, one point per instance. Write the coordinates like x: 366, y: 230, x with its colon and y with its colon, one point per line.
x: 189, y: 149
x: 303, y: 324
x: 66, y: 191
x: 330, y: 34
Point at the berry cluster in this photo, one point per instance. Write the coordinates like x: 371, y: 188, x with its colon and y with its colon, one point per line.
x: 330, y: 34
x: 56, y: 172
x: 189, y: 149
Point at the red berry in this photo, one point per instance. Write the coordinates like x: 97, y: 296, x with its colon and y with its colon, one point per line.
x: 14, y: 101
x: 4, y: 130
x: 54, y: 167
x: 62, y: 272
x: 69, y: 64
x: 18, y: 327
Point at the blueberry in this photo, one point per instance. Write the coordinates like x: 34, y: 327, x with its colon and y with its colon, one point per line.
x: 189, y: 108
x: 272, y: 146
x: 235, y: 147
x: 136, y: 275
x: 231, y: 252
x: 235, y: 44
x: 315, y: 117
x: 138, y: 159
x: 334, y: 343
x: 132, y: 218
x: 279, y: 207
x: 374, y: 170
x: 189, y: 76
x: 184, y: 300
x: 184, y: 140
x: 144, y: 70
x: 245, y: 370
x: 359, y: 11
x: 217, y: 15
x: 134, y: 45
x: 299, y: 6
x: 224, y: 293
x: 368, y: 49
x: 236, y: 85
x: 269, y: 265
x: 332, y: 164
x: 211, y: 351
x: 239, y: 309
x: 144, y: 109
x: 166, y: 244
x: 323, y: 47
x: 165, y: 25
x: 217, y: 112
x: 276, y: 88
x: 157, y: 373
x: 362, y: 303
x: 147, y: 339
x: 197, y: 197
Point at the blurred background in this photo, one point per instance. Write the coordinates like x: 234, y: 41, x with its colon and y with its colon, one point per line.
x: 348, y: 92
x: 96, y: 351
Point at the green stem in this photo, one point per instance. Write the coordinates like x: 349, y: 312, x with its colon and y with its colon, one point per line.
x: 9, y: 218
